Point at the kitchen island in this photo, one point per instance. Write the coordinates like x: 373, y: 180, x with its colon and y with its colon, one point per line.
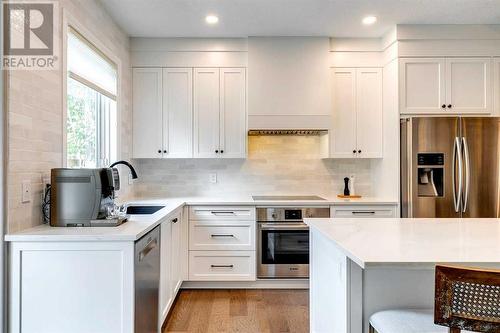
x: 360, y: 266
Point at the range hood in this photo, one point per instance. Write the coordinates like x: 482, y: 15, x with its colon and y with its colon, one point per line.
x: 288, y: 83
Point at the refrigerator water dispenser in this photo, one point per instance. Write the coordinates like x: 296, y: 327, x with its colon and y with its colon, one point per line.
x: 430, y: 167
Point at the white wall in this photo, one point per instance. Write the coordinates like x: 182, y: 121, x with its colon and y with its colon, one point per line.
x: 35, y: 115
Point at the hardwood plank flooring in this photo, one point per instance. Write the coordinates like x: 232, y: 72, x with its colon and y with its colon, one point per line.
x: 240, y: 310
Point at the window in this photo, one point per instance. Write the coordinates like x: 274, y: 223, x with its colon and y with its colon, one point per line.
x: 91, y: 137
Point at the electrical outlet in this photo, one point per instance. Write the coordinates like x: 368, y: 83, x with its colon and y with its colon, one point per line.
x: 212, y: 178
x: 26, y: 191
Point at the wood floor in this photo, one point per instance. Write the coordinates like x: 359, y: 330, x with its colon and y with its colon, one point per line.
x: 249, y: 311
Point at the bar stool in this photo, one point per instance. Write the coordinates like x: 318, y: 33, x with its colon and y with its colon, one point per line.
x: 465, y: 300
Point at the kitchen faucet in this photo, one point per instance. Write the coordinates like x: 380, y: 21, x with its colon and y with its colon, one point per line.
x: 132, y: 170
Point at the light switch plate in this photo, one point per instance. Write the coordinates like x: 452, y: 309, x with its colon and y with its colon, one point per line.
x: 26, y: 191
x: 212, y: 178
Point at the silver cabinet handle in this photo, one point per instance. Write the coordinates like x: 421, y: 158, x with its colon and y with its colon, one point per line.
x: 457, y: 157
x: 363, y: 213
x: 281, y: 226
x: 222, y: 266
x: 223, y: 213
x: 151, y: 245
x: 467, y: 173
x: 221, y: 236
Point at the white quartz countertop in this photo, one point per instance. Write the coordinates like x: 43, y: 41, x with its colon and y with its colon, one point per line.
x: 413, y: 241
x: 138, y: 225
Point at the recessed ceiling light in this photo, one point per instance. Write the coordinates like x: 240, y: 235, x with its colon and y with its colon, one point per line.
x: 211, y: 19
x: 369, y: 20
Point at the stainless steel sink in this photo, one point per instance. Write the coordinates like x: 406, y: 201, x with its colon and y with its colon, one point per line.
x: 143, y: 209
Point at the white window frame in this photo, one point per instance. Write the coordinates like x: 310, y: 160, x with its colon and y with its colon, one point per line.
x: 70, y: 22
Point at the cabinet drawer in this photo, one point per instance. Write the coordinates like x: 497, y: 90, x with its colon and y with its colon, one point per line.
x: 225, y: 235
x: 222, y: 266
x: 363, y: 211
x: 221, y: 213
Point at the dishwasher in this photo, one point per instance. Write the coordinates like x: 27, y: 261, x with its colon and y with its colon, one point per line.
x: 147, y: 280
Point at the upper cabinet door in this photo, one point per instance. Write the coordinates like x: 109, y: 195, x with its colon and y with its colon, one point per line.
x: 468, y: 85
x: 177, y: 112
x: 343, y: 136
x: 206, y: 112
x: 422, y: 85
x: 147, y: 113
x: 369, y: 112
x: 233, y: 130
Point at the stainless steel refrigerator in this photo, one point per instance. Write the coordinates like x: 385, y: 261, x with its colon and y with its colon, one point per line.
x: 450, y: 167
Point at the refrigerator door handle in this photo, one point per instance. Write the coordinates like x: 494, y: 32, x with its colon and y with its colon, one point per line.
x: 457, y: 156
x: 467, y: 173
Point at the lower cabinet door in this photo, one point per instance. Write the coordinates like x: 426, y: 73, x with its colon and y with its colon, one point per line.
x: 222, y: 265
x: 176, y: 254
x: 165, y: 297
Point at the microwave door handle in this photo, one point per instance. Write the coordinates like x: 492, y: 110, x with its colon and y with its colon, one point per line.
x: 467, y: 173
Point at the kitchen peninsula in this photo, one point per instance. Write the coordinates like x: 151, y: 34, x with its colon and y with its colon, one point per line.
x: 359, y: 267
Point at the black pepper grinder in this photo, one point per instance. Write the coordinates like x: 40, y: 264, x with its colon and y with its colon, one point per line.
x: 346, y: 186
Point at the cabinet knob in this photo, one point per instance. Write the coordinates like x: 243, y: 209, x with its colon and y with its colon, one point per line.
x: 159, y: 151
x: 359, y: 151
x: 449, y: 106
x: 165, y: 151
x: 354, y: 151
x: 175, y: 220
x: 222, y: 151
x: 216, y: 151
x: 443, y: 106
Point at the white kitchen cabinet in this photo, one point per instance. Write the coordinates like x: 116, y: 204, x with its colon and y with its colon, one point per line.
x: 166, y: 255
x: 171, y: 262
x: 344, y: 115
x: 162, y: 115
x: 233, y: 117
x: 147, y: 113
x: 363, y: 211
x: 177, y: 112
x: 445, y: 85
x: 369, y: 113
x: 422, y: 85
x: 219, y: 113
x: 206, y: 112
x: 179, y: 252
x: 357, y: 130
x: 222, y: 265
x: 222, y: 243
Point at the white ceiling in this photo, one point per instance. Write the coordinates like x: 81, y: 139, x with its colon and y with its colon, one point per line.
x: 336, y: 18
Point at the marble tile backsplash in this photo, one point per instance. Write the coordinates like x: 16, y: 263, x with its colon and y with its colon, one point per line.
x: 275, y: 165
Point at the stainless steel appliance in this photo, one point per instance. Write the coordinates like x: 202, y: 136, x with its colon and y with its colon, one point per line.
x: 84, y: 197
x: 450, y: 167
x: 147, y: 281
x: 283, y: 241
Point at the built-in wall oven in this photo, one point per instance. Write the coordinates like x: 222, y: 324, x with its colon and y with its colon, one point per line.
x: 283, y: 241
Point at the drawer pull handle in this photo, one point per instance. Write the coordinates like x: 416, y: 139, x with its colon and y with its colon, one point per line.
x: 363, y: 213
x: 222, y: 266
x: 223, y: 213
x: 221, y: 236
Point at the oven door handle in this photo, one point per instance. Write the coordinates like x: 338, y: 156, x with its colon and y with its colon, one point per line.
x: 282, y: 226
